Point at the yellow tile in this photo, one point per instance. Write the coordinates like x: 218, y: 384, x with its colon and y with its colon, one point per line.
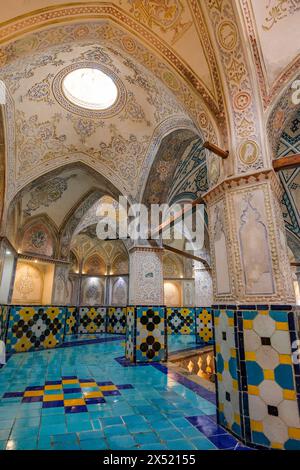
x: 235, y: 384
x: 218, y: 348
x: 263, y: 312
x: 285, y: 359
x: 256, y: 425
x: 221, y: 407
x: 252, y: 390
x: 269, y: 374
x: 233, y: 352
x: 250, y: 356
x: 282, y: 326
x: 108, y: 388
x: 75, y: 402
x: 248, y: 324
x: 276, y: 445
x: 59, y: 397
x: 237, y: 418
x: 70, y: 381
x: 88, y: 384
x: 220, y: 378
x: 231, y: 321
x: 294, y: 433
x: 34, y: 393
x: 289, y: 395
x: 225, y: 365
x: 53, y: 387
x: 216, y: 321
x: 93, y: 395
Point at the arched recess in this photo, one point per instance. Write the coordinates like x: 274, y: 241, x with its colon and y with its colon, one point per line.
x: 38, y: 236
x: 2, y: 167
x: 284, y: 139
x: 94, y: 264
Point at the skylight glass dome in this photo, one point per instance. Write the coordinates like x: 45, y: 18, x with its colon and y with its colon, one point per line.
x: 90, y: 88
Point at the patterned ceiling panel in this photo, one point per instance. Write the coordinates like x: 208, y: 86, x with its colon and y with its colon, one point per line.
x: 290, y: 144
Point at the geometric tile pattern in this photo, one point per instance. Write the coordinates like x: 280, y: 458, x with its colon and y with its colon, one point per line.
x: 130, y: 346
x: 151, y: 334
x: 71, y: 326
x: 204, y: 325
x: 254, y: 357
x: 116, y: 320
x: 92, y: 320
x: 4, y: 310
x: 228, y: 396
x: 181, y: 321
x: 146, y: 336
x: 32, y: 328
x: 70, y: 393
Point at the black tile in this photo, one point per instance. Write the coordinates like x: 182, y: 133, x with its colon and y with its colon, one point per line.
x: 224, y: 335
x: 273, y: 410
x: 265, y: 341
x: 227, y: 395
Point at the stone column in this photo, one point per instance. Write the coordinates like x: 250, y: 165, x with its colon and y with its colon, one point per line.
x: 61, y: 290
x: 254, y: 324
x: 203, y: 286
x: 146, y: 335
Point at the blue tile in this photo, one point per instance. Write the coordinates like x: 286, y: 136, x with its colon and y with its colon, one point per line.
x: 121, y: 443
x: 170, y: 434
x: 224, y: 442
x: 146, y: 438
x: 203, y: 444
x: 22, y: 444
x: 80, y: 426
x: 53, y: 429
x: 118, y: 430
x: 94, y: 444
x: 111, y: 421
x: 90, y: 435
x: 180, y: 445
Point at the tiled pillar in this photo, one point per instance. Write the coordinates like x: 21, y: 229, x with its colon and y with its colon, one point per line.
x: 203, y: 285
x: 146, y: 334
x: 204, y: 326
x: 257, y: 383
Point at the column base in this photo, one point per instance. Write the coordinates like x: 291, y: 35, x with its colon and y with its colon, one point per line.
x: 258, y: 377
x: 146, y: 334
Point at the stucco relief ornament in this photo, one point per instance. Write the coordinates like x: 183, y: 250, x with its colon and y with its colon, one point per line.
x: 248, y: 152
x: 38, y: 239
x: 277, y: 10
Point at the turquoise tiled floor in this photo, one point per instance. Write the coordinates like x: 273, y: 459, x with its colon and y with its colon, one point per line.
x: 151, y: 414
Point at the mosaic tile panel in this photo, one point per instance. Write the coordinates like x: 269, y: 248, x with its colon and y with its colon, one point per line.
x: 92, y: 320
x: 4, y: 312
x: 151, y: 334
x: 130, y: 334
x: 181, y: 320
x: 254, y: 357
x: 116, y: 320
x: 204, y: 325
x: 37, y: 327
x: 70, y: 392
x: 71, y: 325
x: 226, y: 354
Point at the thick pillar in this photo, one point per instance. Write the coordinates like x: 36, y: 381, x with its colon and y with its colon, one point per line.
x: 203, y: 285
x: 146, y: 334
x: 258, y: 387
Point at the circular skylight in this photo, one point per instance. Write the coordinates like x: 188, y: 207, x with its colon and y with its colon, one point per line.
x: 90, y: 88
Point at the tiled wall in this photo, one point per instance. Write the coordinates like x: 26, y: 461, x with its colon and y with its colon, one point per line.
x: 146, y: 337
x: 92, y: 320
x: 32, y: 328
x: 204, y: 325
x: 181, y: 320
x: 116, y: 320
x: 258, y: 385
x: 71, y: 321
x: 3, y: 321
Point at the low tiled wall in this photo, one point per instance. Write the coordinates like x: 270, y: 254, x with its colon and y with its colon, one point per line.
x: 146, y: 335
x: 116, y: 320
x: 92, y: 320
x: 204, y: 325
x: 4, y: 310
x: 258, y: 383
x: 32, y: 328
x: 181, y: 320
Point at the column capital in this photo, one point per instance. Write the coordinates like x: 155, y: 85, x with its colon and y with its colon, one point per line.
x: 240, y: 181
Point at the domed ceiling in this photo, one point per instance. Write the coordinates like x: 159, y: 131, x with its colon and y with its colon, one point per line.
x: 50, y: 131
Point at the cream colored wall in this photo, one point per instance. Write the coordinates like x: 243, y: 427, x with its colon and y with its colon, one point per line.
x: 48, y: 284
x: 172, y: 294
x: 33, y: 283
x: 6, y: 279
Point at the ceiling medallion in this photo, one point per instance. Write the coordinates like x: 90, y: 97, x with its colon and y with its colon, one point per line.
x: 90, y: 90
